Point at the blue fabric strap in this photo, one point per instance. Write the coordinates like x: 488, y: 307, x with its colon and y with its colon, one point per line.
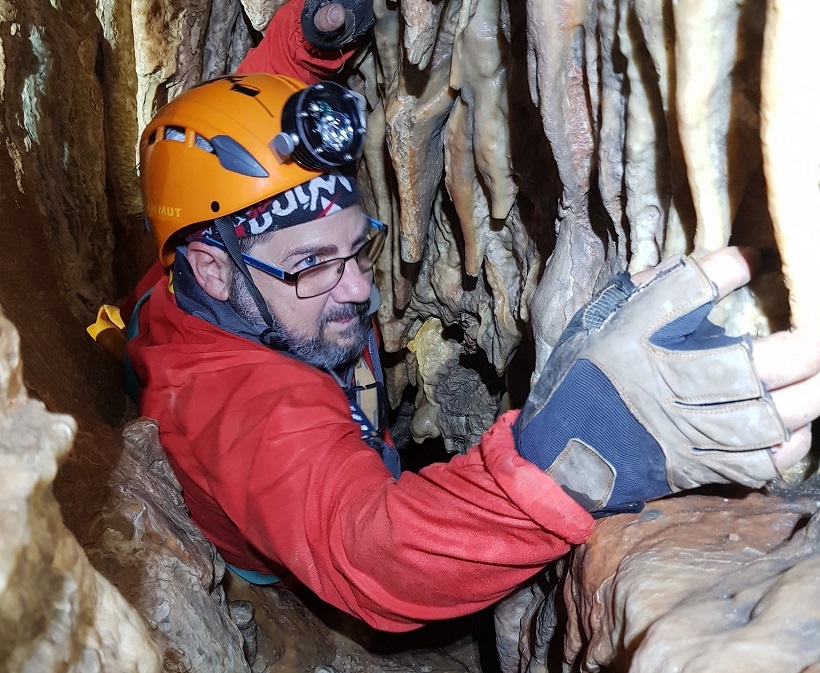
x: 254, y: 577
x: 132, y: 384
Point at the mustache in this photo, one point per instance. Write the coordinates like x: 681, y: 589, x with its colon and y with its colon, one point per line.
x: 345, y: 312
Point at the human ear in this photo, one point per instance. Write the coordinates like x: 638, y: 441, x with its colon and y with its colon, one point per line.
x: 211, y: 269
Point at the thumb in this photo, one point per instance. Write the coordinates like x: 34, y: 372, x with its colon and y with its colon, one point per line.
x: 329, y: 18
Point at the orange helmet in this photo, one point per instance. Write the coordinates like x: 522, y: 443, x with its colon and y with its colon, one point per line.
x: 232, y: 142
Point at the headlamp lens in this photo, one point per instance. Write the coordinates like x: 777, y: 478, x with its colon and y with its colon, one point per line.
x: 335, y: 128
x: 329, y: 123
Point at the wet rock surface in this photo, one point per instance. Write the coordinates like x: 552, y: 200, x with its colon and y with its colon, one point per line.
x: 698, y: 583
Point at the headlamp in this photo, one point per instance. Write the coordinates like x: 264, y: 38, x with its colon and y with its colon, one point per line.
x: 323, y: 126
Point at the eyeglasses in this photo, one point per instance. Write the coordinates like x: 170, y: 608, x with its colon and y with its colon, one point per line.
x: 324, y: 276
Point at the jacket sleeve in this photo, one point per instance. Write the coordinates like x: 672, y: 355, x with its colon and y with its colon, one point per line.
x: 445, y: 542
x: 284, y: 50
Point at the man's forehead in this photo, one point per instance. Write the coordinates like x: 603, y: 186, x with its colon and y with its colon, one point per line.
x: 332, y: 230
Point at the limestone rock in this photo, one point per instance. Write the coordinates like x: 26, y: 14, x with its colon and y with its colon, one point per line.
x: 792, y: 158
x: 440, y: 375
x: 507, y: 143
x: 698, y: 583
x: 53, y: 136
x: 260, y: 13
x: 146, y: 544
x: 57, y: 613
x: 562, y: 67
x: 145, y: 592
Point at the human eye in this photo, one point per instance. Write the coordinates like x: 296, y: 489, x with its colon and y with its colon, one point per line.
x: 307, y: 262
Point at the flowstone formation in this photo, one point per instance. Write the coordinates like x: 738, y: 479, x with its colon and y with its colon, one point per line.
x: 520, y: 153
x: 699, y: 583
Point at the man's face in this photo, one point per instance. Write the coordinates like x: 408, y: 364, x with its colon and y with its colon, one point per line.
x: 330, y: 329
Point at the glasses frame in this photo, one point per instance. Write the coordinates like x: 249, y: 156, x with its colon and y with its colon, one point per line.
x: 288, y: 277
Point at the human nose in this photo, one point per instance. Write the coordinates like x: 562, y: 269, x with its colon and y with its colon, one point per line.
x: 354, y: 285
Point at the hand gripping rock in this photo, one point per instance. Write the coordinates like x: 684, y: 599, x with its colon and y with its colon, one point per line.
x: 643, y: 396
x: 358, y: 18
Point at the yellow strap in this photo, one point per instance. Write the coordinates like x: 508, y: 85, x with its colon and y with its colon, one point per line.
x: 108, y: 317
x: 109, y: 331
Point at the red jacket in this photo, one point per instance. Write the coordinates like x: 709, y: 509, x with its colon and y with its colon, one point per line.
x: 284, y: 50
x: 275, y: 474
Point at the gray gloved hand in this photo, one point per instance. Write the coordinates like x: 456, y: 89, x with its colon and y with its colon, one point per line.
x: 643, y: 396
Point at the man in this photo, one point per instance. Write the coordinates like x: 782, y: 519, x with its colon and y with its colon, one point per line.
x: 258, y: 363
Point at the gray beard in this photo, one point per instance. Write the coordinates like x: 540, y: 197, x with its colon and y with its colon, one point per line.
x: 317, y: 350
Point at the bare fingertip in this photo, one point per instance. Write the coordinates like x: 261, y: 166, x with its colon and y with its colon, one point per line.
x: 751, y: 256
x: 729, y: 268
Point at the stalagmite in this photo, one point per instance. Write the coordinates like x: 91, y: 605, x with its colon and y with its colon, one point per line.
x: 421, y: 19
x: 790, y: 111
x: 559, y: 34
x: 717, y: 51
x: 428, y: 348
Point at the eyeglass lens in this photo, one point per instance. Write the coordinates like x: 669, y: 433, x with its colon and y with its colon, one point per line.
x: 325, y: 276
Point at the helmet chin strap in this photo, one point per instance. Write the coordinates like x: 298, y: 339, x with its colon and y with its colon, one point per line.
x: 224, y: 226
x: 375, y: 300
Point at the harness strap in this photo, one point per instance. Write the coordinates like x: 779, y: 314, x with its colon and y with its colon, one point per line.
x: 132, y: 384
x: 367, y: 391
x: 255, y: 577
